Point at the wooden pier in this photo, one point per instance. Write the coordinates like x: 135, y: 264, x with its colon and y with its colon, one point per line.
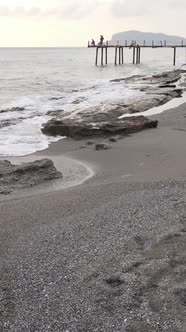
x: 136, y: 50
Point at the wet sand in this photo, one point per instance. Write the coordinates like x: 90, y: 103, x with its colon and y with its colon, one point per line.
x: 108, y: 254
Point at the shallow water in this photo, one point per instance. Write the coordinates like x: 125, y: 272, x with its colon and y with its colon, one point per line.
x: 42, y: 80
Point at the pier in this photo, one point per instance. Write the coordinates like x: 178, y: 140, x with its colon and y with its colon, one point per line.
x: 136, y: 47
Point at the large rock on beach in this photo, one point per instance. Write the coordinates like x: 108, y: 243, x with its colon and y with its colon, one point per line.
x: 14, y: 177
x: 85, y: 129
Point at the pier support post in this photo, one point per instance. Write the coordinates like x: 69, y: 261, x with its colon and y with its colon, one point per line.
x: 174, y: 60
x: 116, y: 51
x: 102, y: 56
x: 106, y: 55
x: 138, y: 55
x: 139, y: 60
x: 134, y: 54
x: 119, y: 55
x: 96, y: 62
x: 122, y: 55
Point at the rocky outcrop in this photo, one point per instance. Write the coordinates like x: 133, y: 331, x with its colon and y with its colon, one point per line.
x: 161, y: 84
x: 14, y: 177
x: 54, y: 113
x: 70, y: 127
x: 106, y: 120
x: 165, y: 78
x: 102, y: 146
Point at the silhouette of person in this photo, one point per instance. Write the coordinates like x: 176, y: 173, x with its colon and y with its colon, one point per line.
x: 101, y: 40
x: 93, y: 42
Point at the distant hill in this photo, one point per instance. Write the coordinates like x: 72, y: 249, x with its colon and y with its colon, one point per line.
x: 140, y: 36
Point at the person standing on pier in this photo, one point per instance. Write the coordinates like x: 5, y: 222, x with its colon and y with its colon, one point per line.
x: 101, y: 40
x: 93, y: 42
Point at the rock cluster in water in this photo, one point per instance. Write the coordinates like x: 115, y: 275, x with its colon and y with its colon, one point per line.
x: 14, y: 177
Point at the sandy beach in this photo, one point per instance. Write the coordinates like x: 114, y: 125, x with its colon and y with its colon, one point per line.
x: 104, y: 248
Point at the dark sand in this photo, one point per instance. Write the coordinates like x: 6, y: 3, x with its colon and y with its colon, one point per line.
x: 108, y: 254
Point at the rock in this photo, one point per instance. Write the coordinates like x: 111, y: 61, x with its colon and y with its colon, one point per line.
x: 13, y: 109
x: 79, y: 100
x: 107, y: 120
x: 14, y: 177
x: 166, y: 78
x: 7, y: 123
x: 5, y: 191
x: 113, y: 139
x: 170, y: 93
x: 55, y: 113
x: 55, y: 98
x: 127, y: 79
x: 102, y: 146
x: 78, y: 130
x: 167, y: 86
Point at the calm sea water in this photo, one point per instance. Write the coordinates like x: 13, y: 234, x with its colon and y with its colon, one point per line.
x: 51, y: 79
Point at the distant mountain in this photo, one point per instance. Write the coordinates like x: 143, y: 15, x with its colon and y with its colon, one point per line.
x: 139, y: 36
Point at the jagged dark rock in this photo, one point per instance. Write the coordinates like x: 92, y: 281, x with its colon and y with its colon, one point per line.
x: 170, y: 93
x: 165, y: 78
x: 113, y: 139
x: 102, y: 146
x: 173, y: 86
x: 7, y: 123
x: 14, y: 177
x: 55, y: 113
x: 55, y: 98
x: 13, y: 109
x: 84, y: 129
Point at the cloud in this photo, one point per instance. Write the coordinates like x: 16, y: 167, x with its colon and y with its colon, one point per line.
x: 127, y: 8
x: 78, y: 9
x: 74, y: 9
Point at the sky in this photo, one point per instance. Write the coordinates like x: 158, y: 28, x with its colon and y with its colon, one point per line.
x: 53, y: 23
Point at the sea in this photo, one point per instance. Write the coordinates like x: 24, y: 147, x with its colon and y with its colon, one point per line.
x: 35, y: 82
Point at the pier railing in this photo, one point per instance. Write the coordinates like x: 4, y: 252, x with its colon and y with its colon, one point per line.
x: 141, y: 43
x: 136, y: 46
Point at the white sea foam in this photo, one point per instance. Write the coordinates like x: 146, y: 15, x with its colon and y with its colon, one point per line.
x: 24, y: 138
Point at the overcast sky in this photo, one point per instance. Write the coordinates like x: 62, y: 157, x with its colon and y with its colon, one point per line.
x: 73, y: 22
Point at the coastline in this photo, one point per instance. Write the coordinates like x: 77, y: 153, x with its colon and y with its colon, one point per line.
x: 79, y: 162
x: 97, y: 256
x: 79, y: 167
